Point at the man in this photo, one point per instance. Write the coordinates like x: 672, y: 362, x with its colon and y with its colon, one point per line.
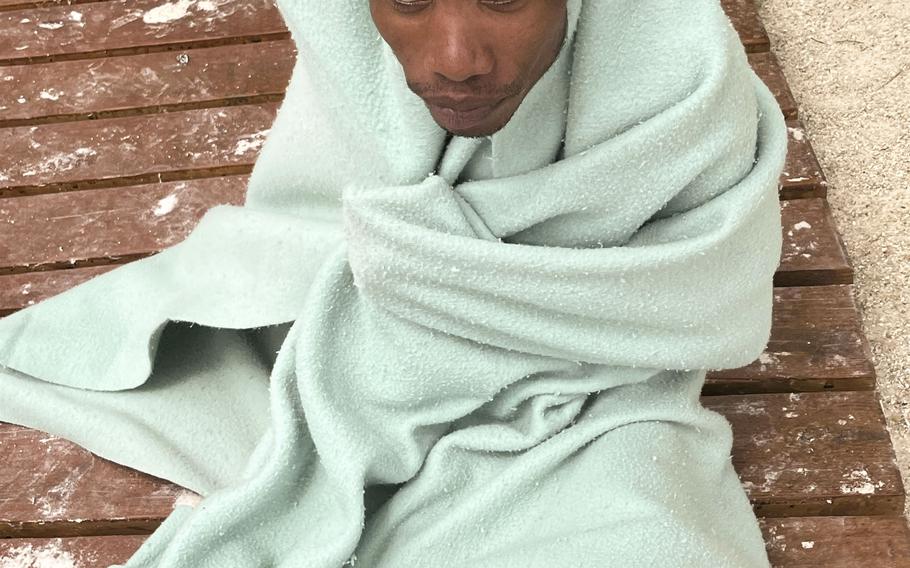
x: 502, y: 293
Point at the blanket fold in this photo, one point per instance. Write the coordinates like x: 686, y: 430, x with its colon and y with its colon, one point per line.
x: 493, y: 362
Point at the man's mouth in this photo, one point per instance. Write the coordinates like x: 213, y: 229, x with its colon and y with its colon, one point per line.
x: 461, y: 114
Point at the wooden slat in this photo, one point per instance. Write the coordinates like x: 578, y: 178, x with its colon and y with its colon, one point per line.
x: 18, y: 291
x: 813, y: 253
x: 767, y: 67
x: 817, y: 343
x: 102, y: 226
x: 810, y: 454
x: 745, y: 20
x: 837, y: 542
x: 813, y: 453
x: 824, y: 542
x: 78, y: 552
x: 802, y: 176
x: 132, y: 150
x: 117, y: 86
x: 21, y: 4
x: 52, y: 487
x: 120, y: 27
x: 135, y: 26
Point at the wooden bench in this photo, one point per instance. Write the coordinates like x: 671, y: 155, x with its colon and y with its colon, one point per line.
x: 118, y: 134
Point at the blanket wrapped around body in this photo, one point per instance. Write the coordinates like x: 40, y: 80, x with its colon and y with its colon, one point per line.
x: 407, y: 350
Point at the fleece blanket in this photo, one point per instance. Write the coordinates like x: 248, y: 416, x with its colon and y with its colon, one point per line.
x: 408, y: 350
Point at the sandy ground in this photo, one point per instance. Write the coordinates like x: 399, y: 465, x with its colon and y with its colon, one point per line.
x: 848, y: 64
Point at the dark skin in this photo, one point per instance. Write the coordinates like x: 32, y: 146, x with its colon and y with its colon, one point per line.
x: 472, y: 61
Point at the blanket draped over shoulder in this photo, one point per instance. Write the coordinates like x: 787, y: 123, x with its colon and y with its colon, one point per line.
x: 489, y: 350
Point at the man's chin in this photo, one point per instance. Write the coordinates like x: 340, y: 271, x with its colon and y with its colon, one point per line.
x: 474, y: 132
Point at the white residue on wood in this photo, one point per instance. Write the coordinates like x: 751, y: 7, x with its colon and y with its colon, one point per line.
x: 76, y: 16
x: 62, y: 162
x: 187, y: 498
x: 50, y: 94
x: 801, y: 225
x: 55, y: 503
x: 165, y: 205
x: 45, y: 556
x: 808, y: 544
x: 771, y: 478
x: 125, y: 19
x: 50, y: 25
x: 767, y: 358
x: 859, y: 482
x: 250, y: 143
x: 751, y: 408
x: 797, y: 134
x: 168, y: 12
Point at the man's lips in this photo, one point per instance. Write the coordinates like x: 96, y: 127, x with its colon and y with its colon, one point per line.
x: 461, y: 104
x: 462, y: 114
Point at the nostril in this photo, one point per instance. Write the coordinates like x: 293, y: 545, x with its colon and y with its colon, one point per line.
x: 459, y: 69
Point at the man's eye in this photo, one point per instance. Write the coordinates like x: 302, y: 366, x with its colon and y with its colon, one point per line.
x: 501, y: 4
x: 408, y: 6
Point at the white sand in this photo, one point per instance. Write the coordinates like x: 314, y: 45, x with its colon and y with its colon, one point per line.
x: 848, y: 64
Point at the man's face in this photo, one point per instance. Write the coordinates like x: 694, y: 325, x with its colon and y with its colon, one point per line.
x: 472, y: 61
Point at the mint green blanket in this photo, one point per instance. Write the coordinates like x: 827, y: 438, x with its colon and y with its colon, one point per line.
x: 405, y: 351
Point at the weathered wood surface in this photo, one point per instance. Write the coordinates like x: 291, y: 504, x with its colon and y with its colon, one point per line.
x: 79, y: 552
x: 138, y: 149
x: 20, y: 4
x: 52, y: 487
x: 802, y: 175
x: 56, y: 31
x: 837, y: 542
x: 813, y: 453
x: 808, y: 454
x: 105, y: 226
x: 813, y: 252
x: 823, y: 542
x: 18, y: 291
x: 817, y: 343
x: 145, y: 83
x: 767, y: 67
x: 745, y: 19
x: 120, y: 27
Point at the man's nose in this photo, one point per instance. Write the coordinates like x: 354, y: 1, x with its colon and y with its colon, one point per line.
x: 459, y: 53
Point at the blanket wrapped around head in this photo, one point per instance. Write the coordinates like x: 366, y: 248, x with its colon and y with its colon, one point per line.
x: 489, y: 350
